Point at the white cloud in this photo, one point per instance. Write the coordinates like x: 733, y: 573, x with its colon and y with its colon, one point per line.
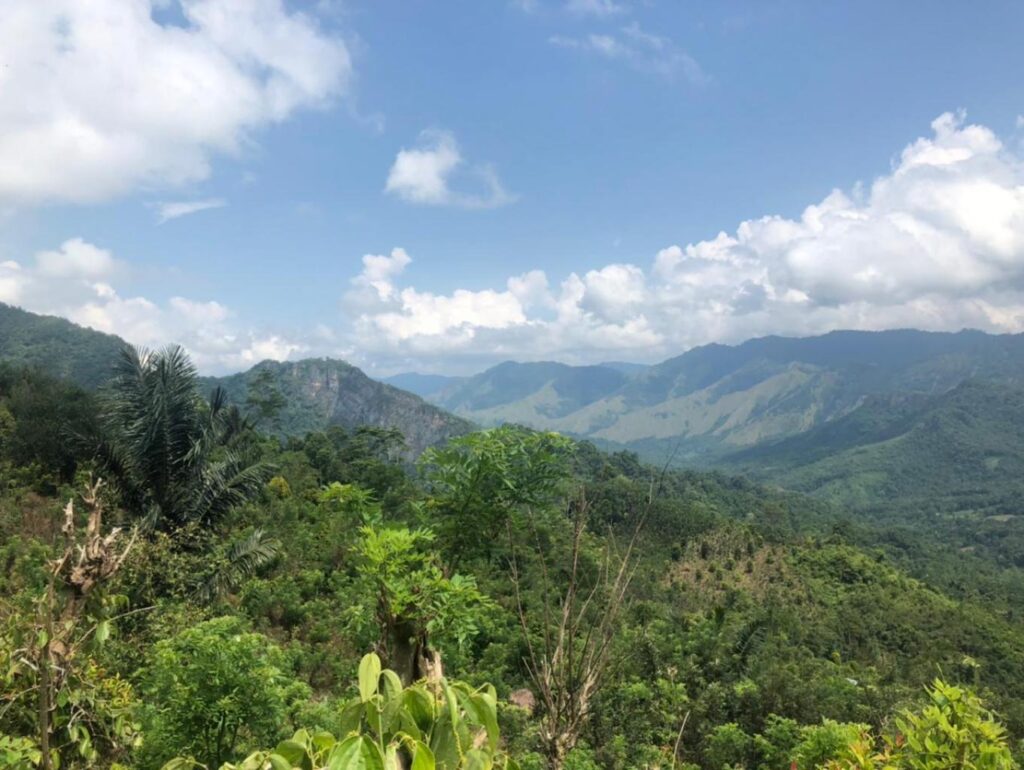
x: 641, y: 50
x: 75, y: 259
x: 98, y: 98
x: 168, y: 210
x: 935, y: 243
x: 600, y: 8
x: 76, y: 281
x: 425, y: 174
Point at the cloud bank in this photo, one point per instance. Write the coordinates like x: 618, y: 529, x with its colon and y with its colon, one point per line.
x: 102, y: 97
x: 936, y: 243
x: 77, y: 281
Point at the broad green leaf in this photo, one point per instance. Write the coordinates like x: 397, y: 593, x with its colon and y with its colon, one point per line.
x: 369, y: 676
x: 420, y: 705
x: 392, y: 684
x: 277, y: 762
x: 351, y: 717
x: 407, y: 725
x: 453, y: 706
x: 179, y: 763
x: 423, y: 758
x: 356, y: 753
x: 323, y: 741
x: 444, y: 743
x: 487, y: 712
x: 294, y: 753
x: 477, y: 760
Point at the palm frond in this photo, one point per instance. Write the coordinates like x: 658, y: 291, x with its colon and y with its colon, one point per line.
x: 244, y: 559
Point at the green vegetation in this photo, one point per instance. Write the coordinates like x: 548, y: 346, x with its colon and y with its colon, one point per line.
x: 57, y: 347
x: 229, y: 596
x: 923, y: 476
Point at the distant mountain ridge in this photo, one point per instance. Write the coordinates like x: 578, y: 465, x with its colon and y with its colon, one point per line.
x: 952, y: 459
x: 715, y: 400
x: 319, y: 392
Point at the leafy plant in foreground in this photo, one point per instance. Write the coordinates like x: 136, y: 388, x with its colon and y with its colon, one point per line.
x: 953, y: 731
x: 430, y: 725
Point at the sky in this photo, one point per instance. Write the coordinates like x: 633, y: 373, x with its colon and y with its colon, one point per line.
x: 441, y: 186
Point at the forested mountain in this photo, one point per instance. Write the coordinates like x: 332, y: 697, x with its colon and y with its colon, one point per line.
x: 919, y: 472
x: 962, y: 450
x: 319, y: 392
x: 718, y: 399
x: 56, y: 346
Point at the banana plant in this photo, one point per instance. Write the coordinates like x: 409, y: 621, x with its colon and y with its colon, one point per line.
x: 427, y: 726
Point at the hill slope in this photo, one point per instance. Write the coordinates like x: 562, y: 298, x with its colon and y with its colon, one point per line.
x: 58, y: 347
x: 320, y: 392
x: 960, y: 450
x: 534, y: 394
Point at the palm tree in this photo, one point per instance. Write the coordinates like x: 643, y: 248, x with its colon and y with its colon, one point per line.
x: 168, y: 452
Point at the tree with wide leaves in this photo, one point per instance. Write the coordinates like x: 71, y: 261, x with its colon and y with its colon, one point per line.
x: 170, y: 454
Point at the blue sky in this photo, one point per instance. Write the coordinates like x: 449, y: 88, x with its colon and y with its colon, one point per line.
x: 441, y: 186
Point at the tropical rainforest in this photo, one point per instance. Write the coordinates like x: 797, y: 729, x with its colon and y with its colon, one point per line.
x: 186, y: 582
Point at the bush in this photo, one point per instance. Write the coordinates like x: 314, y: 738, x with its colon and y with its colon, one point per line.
x: 953, y: 731
x: 213, y: 691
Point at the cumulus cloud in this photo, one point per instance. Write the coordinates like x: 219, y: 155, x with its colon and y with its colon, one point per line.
x: 640, y: 50
x: 98, y: 98
x: 77, y: 281
x: 169, y: 210
x: 426, y: 173
x: 937, y: 243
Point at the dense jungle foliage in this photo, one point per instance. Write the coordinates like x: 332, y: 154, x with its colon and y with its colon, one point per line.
x: 214, y: 595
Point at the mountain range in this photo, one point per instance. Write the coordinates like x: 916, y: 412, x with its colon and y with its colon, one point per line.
x: 864, y: 419
x: 716, y: 400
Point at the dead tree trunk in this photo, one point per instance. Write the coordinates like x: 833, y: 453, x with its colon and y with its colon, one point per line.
x: 84, y: 565
x: 570, y: 664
